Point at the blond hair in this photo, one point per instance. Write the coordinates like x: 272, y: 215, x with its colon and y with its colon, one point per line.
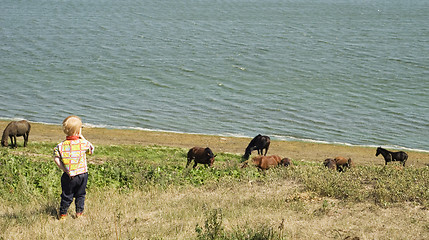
x: 72, y: 125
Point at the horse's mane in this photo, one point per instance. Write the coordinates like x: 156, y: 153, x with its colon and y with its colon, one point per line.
x: 382, y: 150
x: 252, y: 142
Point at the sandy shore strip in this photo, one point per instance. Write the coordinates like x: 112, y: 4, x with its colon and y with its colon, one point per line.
x: 297, y: 150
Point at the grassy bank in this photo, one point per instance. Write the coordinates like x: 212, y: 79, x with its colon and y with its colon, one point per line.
x: 139, y: 188
x: 141, y: 191
x: 301, y: 151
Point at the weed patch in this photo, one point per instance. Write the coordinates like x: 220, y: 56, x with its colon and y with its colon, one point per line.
x: 213, y: 230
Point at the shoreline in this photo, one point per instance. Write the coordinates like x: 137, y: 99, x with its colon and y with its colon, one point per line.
x: 297, y: 150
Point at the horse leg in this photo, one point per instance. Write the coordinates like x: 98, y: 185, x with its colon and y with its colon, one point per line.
x: 11, y: 142
x: 405, y: 159
x: 189, y: 161
x: 25, y: 139
x: 387, y: 158
x: 195, y: 164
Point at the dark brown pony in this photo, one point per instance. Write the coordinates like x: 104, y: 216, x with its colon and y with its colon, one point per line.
x: 257, y: 143
x: 200, y: 155
x: 392, y: 156
x: 16, y: 129
x: 330, y: 163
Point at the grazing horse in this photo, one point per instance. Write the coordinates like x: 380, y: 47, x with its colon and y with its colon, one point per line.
x: 265, y: 162
x: 16, y: 129
x: 200, y: 155
x: 258, y: 143
x: 392, y: 156
x: 342, y: 163
x: 330, y: 163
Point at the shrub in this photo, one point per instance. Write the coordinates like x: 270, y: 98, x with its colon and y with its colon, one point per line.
x: 213, y: 230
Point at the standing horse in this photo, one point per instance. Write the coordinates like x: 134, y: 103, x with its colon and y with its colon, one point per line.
x: 266, y: 162
x: 258, y: 143
x: 343, y: 163
x: 392, y: 156
x: 200, y: 155
x: 16, y: 129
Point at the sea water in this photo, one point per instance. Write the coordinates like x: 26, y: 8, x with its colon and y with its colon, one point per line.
x: 336, y: 71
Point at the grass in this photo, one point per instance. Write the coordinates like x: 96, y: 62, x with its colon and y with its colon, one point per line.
x: 145, y: 192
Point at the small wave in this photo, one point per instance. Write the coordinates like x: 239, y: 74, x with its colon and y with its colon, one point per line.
x: 239, y: 67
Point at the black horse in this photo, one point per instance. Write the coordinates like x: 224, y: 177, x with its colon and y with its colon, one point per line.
x: 258, y: 143
x: 392, y: 156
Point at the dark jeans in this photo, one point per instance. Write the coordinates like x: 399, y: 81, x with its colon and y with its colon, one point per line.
x: 73, y: 187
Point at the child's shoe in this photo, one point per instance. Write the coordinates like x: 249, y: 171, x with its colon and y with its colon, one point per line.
x: 79, y: 214
x: 62, y: 216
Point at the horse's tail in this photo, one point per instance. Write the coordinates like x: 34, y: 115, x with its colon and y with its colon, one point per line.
x: 29, y: 127
x: 267, y: 143
x: 189, y: 156
x: 405, y: 158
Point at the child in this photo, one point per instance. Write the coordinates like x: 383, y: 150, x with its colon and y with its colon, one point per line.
x: 70, y: 156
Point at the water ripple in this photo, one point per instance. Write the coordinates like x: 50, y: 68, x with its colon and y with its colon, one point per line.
x: 307, y: 70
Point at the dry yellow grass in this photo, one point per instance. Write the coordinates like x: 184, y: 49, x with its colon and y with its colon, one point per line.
x: 173, y: 214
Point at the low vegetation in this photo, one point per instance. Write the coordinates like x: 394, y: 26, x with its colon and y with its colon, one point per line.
x: 137, y: 192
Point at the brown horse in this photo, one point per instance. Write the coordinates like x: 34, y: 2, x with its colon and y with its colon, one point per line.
x: 200, y: 155
x: 343, y: 163
x: 266, y: 162
x: 16, y: 129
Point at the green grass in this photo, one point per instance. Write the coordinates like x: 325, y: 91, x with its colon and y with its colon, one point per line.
x: 29, y: 175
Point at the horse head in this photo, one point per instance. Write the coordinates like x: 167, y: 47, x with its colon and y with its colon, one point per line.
x: 4, y: 142
x: 285, y: 162
x: 4, y: 138
x: 210, y: 155
x: 378, y: 151
x: 247, y: 153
